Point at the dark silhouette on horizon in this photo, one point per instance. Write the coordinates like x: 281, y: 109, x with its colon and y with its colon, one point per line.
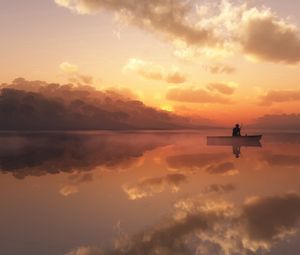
x: 236, y: 131
x: 236, y: 141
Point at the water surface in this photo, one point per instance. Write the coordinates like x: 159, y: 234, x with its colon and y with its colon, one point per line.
x: 148, y: 193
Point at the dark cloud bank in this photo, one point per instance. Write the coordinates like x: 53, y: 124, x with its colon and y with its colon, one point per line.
x: 278, y: 121
x: 38, y: 105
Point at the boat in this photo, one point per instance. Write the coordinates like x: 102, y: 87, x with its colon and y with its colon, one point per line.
x: 247, y: 140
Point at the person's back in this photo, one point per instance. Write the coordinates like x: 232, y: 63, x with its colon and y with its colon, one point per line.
x: 236, y: 131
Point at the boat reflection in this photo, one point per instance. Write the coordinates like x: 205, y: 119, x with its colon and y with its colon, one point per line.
x: 235, y: 144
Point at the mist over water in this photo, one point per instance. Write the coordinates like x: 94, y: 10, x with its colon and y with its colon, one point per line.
x: 90, y: 193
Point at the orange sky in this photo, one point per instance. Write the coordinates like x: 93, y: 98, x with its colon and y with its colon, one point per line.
x: 219, y: 59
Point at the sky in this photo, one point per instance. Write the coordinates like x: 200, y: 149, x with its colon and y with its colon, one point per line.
x: 223, y: 60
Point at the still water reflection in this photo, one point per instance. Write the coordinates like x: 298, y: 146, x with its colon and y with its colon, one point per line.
x: 148, y: 193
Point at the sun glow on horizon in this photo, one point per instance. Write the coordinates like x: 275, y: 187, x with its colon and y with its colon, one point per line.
x: 168, y: 108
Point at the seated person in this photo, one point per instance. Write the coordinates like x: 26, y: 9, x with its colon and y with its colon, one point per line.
x: 236, y: 131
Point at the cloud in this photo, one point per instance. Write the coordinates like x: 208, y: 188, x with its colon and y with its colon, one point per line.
x: 195, y: 95
x: 267, y: 37
x: 223, y: 88
x: 175, y: 77
x: 153, y: 71
x: 41, y: 111
x: 280, y: 96
x: 278, y: 121
x: 220, y: 69
x: 165, y: 17
x: 207, y: 27
x: 68, y: 68
x: 145, y: 69
x: 74, y: 75
x: 81, y: 79
x: 150, y: 186
x: 38, y: 105
x: 254, y: 31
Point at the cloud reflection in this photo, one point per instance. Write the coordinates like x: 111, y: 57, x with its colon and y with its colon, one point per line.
x: 281, y: 160
x: 224, y: 168
x: 150, y: 186
x: 271, y: 218
x: 202, y: 225
x: 214, y: 163
x: 219, y: 188
x: 40, y: 154
x: 68, y: 190
x: 194, y: 162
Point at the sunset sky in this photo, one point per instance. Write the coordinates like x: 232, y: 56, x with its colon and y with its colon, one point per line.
x: 224, y: 60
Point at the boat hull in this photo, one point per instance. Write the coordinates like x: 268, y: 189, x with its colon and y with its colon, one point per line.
x: 253, y: 140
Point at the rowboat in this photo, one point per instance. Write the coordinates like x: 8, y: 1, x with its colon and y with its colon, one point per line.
x: 248, y: 140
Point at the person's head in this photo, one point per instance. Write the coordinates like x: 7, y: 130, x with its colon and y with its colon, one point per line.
x: 237, y: 125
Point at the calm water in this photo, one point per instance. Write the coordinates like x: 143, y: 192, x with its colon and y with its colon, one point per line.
x: 148, y: 193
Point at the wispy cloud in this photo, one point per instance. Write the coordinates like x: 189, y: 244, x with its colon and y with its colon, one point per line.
x: 223, y: 88
x: 195, y: 95
x: 153, y: 71
x: 68, y: 67
x: 219, y: 68
x: 279, y: 96
x: 74, y: 75
x: 278, y: 121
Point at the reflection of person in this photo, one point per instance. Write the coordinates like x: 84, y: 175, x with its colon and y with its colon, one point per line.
x: 236, y: 150
x: 236, y: 131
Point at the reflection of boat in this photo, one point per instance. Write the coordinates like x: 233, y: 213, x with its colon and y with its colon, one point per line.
x: 250, y: 140
x: 235, y: 141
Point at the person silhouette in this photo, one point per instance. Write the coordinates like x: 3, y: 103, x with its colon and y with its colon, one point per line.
x: 236, y: 131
